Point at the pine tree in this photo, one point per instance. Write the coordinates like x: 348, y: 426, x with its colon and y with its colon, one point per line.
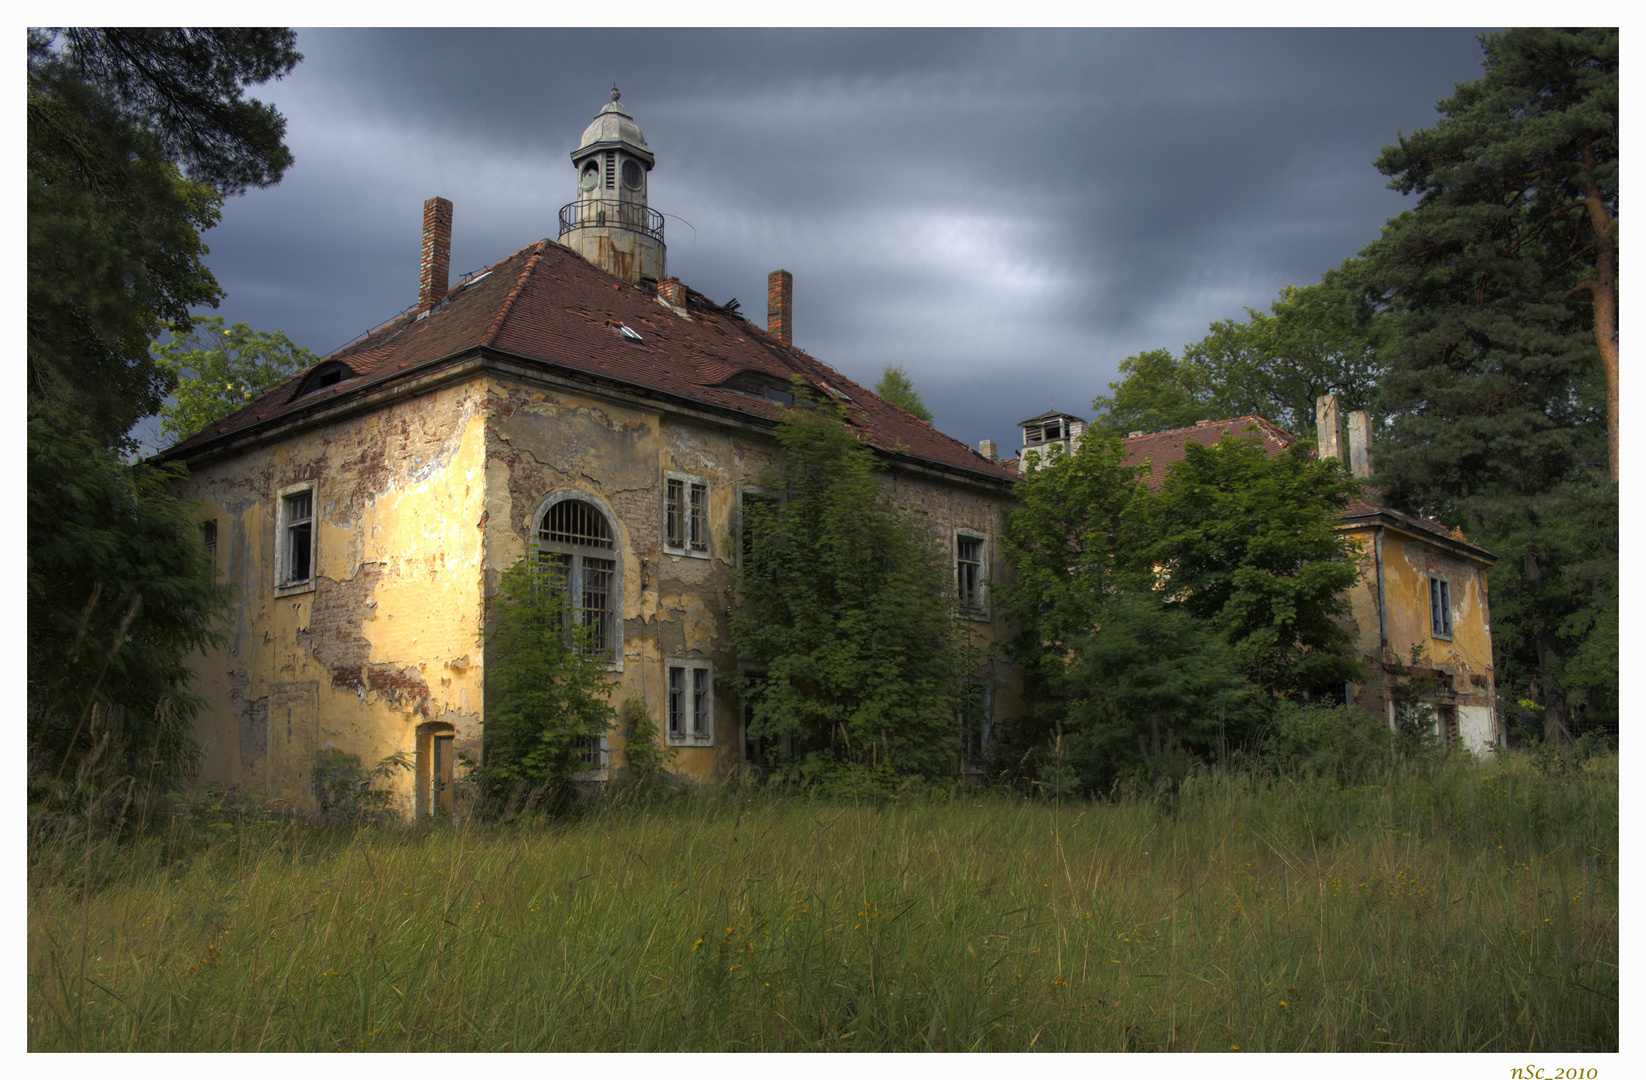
x: 1502, y: 388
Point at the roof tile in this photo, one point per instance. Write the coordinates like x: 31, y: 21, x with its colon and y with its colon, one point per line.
x: 545, y: 303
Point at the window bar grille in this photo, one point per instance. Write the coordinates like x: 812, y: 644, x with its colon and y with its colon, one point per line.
x: 597, y: 611
x: 576, y: 522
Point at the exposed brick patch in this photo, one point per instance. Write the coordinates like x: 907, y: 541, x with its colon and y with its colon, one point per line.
x: 334, y: 626
x: 403, y: 688
x: 252, y: 720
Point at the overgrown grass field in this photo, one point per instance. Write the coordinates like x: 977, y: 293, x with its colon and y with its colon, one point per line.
x: 1451, y: 907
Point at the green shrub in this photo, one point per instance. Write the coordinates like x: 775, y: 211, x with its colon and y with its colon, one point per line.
x: 547, y: 695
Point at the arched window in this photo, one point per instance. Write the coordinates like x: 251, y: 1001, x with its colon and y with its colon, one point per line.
x: 575, y: 540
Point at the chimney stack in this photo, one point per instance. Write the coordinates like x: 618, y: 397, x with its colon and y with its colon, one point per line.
x: 780, y: 305
x: 671, y: 290
x: 986, y: 448
x: 1326, y: 427
x: 1360, y: 443
x: 437, y: 254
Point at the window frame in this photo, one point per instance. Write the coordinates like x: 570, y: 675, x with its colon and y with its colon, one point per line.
x: 691, y: 546
x: 697, y: 717
x: 977, y: 607
x: 284, y: 584
x: 1440, y: 607
x: 541, y: 548
x: 976, y: 758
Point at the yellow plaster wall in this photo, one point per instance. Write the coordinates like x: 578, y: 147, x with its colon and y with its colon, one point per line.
x: 675, y: 606
x: 419, y: 507
x: 1407, y: 562
x: 387, y: 639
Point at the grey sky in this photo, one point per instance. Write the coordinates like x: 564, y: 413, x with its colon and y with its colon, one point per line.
x: 1006, y: 214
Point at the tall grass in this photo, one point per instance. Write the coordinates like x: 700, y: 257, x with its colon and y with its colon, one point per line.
x: 1452, y: 907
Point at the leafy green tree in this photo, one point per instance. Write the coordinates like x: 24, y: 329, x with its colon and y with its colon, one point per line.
x: 216, y: 371
x: 1156, y: 392
x: 134, y: 136
x: 1150, y: 687
x: 1314, y: 339
x: 1078, y: 531
x: 1502, y: 388
x: 846, y: 632
x: 1159, y: 627
x: 1248, y: 542
x: 894, y: 386
x: 120, y: 592
x: 547, y: 695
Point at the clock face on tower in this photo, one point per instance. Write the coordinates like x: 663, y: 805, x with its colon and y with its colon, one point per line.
x: 590, y: 177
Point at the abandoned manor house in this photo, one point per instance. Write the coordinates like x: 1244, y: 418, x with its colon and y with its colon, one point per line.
x: 1420, y: 584
x: 572, y: 403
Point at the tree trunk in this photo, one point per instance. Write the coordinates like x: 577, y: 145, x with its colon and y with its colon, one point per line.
x: 1604, y: 291
x: 1548, y: 662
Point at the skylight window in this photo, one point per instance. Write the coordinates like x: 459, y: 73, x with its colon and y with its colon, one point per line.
x: 632, y: 335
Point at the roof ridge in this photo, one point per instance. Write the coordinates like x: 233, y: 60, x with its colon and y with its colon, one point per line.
x: 507, y: 306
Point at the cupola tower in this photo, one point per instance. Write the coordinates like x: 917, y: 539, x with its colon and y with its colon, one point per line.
x: 610, y: 224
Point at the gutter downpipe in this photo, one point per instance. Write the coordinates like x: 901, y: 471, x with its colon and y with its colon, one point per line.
x: 1382, y: 621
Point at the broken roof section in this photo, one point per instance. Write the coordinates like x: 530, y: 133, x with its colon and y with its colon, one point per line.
x: 545, y: 305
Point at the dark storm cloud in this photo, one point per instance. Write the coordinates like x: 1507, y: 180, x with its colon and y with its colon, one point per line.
x: 1006, y: 214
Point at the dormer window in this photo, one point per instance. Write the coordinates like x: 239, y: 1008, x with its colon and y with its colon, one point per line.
x: 327, y: 374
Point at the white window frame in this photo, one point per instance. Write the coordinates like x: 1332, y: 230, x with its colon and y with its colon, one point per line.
x: 284, y: 585
x: 697, y: 717
x: 978, y: 608
x: 693, y: 545
x: 1440, y: 604
x: 540, y: 548
x: 600, y: 748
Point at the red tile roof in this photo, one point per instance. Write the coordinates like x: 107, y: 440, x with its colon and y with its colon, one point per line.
x: 548, y: 305
x: 1160, y: 448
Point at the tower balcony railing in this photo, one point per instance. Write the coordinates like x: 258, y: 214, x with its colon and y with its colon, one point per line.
x: 611, y: 214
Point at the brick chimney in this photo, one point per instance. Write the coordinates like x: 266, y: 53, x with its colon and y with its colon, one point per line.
x: 1360, y: 443
x: 780, y: 305
x: 671, y: 290
x: 1326, y: 427
x: 987, y: 449
x: 435, y: 266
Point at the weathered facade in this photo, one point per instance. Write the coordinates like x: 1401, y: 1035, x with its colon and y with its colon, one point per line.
x: 558, y: 406
x: 1421, y: 586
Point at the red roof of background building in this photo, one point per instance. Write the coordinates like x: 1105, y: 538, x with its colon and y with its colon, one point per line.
x: 1160, y: 449
x: 547, y: 304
